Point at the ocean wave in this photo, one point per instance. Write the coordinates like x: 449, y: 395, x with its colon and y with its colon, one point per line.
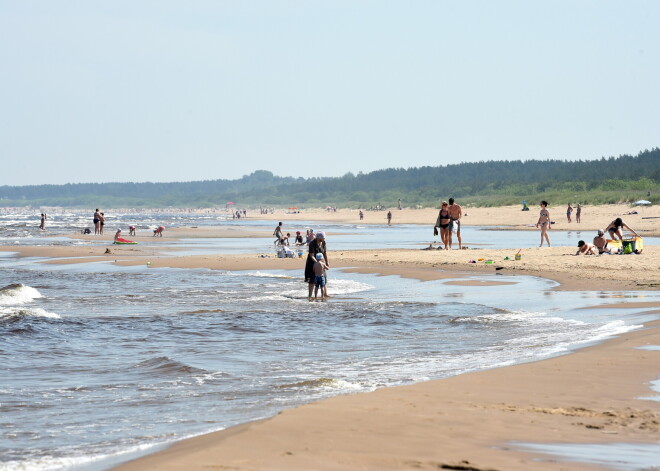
x: 503, y: 316
x: 166, y: 366
x: 17, y: 312
x: 17, y: 293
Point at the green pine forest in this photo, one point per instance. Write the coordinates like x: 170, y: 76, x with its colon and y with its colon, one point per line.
x: 624, y: 178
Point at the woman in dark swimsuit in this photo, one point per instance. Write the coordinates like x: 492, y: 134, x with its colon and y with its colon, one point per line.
x: 615, y: 227
x: 443, y: 223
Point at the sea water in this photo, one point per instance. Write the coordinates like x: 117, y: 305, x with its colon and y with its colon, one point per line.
x: 100, y: 362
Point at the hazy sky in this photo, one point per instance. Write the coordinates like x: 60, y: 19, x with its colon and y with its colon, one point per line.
x: 97, y: 91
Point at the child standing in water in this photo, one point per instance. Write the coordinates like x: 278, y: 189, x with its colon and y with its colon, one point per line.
x: 544, y: 223
x: 319, y: 276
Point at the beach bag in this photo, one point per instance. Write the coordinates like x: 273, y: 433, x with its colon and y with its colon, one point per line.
x: 627, y: 247
x: 435, y: 231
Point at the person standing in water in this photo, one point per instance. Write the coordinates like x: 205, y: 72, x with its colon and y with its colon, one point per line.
x: 544, y: 222
x: 315, y: 247
x: 97, y: 221
x: 42, y: 226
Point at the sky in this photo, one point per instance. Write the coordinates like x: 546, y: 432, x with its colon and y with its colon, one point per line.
x: 99, y: 91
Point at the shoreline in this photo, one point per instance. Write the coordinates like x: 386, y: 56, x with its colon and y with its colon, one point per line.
x: 468, y: 421
x: 590, y: 395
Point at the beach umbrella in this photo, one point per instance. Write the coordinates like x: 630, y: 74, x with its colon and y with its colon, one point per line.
x: 641, y: 203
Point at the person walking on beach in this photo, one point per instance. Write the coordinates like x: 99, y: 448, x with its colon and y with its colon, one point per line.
x: 97, y: 221
x: 544, y: 222
x: 317, y: 246
x: 320, y: 280
x: 389, y: 218
x: 569, y: 211
x: 455, y: 213
x: 42, y: 226
x: 578, y: 212
x: 361, y: 215
x: 443, y: 221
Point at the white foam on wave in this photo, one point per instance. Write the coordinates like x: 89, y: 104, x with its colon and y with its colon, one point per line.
x: 27, y: 312
x: 18, y: 294
x: 261, y: 274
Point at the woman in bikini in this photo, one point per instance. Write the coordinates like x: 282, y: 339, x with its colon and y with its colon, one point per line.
x: 614, y: 229
x: 443, y: 223
x: 544, y: 223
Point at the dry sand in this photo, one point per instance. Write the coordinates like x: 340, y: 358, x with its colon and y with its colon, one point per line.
x: 508, y: 217
x: 465, y: 422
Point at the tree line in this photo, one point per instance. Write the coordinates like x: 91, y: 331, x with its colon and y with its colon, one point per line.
x: 606, y: 180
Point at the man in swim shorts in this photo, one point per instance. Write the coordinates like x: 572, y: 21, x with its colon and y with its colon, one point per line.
x: 455, y: 213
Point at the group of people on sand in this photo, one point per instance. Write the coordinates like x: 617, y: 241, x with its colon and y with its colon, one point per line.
x: 284, y: 240
x: 449, y: 223
x: 600, y: 243
x: 599, y: 246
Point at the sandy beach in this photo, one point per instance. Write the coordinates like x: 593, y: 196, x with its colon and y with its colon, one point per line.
x: 468, y: 422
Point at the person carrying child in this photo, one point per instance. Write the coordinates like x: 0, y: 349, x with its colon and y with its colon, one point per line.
x: 320, y: 280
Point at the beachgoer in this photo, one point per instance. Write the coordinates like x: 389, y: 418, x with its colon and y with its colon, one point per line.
x: 569, y: 211
x: 578, y: 212
x: 361, y: 215
x: 117, y: 234
x: 159, y: 231
x: 615, y: 227
x: 319, y: 276
x: 101, y: 223
x: 42, y: 226
x: 278, y: 234
x: 97, y: 221
x: 285, y: 240
x: 456, y: 213
x: 600, y: 242
x: 389, y: 218
x: 443, y: 221
x: 318, y: 245
x: 299, y: 240
x: 586, y: 249
x: 544, y: 222
x: 398, y: 204
x: 310, y: 235
x: 131, y: 230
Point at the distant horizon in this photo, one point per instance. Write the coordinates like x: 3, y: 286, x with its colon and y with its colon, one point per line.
x: 332, y: 176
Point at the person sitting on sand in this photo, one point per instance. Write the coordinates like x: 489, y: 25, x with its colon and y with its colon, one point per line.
x: 319, y: 276
x: 600, y: 242
x: 615, y: 227
x: 117, y: 234
x: 586, y: 249
x: 299, y: 240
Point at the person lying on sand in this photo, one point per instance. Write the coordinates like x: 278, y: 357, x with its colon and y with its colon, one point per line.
x: 586, y: 249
